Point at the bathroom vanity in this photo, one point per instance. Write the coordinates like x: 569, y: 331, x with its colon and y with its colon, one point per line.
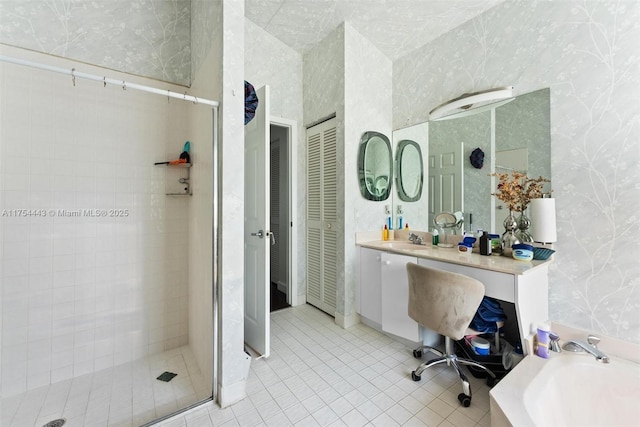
x: 382, y: 284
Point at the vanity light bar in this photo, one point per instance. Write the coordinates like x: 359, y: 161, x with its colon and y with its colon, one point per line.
x: 472, y: 103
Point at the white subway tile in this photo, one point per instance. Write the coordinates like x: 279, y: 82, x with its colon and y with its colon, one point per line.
x: 14, y: 336
x: 41, y: 248
x: 39, y: 345
x: 42, y: 168
x: 40, y: 265
x: 39, y: 365
x: 61, y: 359
x: 17, y: 232
x: 61, y: 374
x: 64, y: 278
x: 63, y: 310
x: 16, y: 182
x: 15, y: 303
x: 43, y: 183
x: 13, y: 354
x: 61, y: 327
x: 15, y: 313
x: 40, y: 317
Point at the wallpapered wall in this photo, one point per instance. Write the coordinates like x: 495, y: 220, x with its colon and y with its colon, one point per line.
x: 147, y: 38
x: 587, y: 53
x: 584, y: 51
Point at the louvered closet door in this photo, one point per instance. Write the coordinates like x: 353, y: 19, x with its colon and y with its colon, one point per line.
x: 322, y: 237
x: 275, y: 213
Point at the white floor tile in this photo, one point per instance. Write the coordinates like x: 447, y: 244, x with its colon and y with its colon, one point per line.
x: 128, y: 394
x: 318, y: 374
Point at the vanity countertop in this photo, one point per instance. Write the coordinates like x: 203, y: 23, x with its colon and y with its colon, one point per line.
x: 498, y: 263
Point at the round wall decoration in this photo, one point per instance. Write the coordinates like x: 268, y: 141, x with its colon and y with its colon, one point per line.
x: 250, y: 102
x: 477, y: 158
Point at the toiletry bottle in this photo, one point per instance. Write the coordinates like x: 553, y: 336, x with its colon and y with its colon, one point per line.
x: 406, y: 226
x: 485, y: 244
x: 542, y: 335
x: 385, y: 233
x: 435, y: 237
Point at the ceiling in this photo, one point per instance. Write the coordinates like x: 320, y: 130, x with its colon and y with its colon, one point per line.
x: 396, y: 27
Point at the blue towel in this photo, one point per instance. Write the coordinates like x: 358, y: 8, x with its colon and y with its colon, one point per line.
x: 487, y: 315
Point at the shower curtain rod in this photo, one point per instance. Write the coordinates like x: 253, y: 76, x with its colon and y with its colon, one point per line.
x: 125, y: 85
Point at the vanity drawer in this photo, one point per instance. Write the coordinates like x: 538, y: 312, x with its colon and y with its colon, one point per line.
x: 496, y: 285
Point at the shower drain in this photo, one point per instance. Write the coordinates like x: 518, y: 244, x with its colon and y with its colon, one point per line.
x: 166, y: 376
x: 56, y: 423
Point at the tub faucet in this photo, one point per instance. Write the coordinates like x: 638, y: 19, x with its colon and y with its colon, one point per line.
x: 590, y: 347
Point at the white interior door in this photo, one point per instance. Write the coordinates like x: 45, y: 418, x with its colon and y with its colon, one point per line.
x: 257, y: 236
x: 445, y: 180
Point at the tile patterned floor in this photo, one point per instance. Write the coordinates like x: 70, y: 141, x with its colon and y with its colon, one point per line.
x: 321, y: 375
x: 125, y: 395
x: 318, y: 375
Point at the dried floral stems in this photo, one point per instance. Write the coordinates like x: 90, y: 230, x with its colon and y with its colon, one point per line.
x: 517, y: 191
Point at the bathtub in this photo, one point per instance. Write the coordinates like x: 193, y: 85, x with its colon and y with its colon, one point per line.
x: 568, y: 389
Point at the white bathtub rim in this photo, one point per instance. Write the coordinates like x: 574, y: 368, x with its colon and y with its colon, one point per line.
x: 508, y: 397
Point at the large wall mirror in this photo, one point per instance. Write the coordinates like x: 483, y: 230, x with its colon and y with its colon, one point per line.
x: 513, y: 136
x: 412, y: 209
x: 409, y: 171
x: 375, y: 166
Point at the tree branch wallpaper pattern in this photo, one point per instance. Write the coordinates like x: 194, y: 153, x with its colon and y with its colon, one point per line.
x: 587, y: 53
x: 144, y: 37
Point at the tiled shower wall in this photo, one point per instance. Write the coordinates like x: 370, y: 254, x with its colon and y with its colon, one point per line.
x: 85, y: 292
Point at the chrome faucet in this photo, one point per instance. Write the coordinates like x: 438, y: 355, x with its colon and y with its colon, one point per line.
x: 590, y: 347
x: 415, y: 239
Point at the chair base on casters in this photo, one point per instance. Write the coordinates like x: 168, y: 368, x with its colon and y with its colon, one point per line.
x: 449, y: 357
x: 418, y: 352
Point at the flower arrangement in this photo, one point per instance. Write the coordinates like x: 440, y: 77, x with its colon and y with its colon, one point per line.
x: 517, y: 190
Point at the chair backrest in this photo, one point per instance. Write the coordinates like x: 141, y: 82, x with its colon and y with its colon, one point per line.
x: 442, y: 301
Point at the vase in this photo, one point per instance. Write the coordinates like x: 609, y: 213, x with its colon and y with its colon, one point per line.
x: 509, y: 237
x: 522, y: 233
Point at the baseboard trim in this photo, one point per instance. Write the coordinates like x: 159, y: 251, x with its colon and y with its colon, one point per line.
x: 347, y: 321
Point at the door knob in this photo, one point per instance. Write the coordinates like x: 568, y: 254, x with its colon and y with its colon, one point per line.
x: 260, y: 234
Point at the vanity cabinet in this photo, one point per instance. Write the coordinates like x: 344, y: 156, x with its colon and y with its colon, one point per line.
x: 369, y: 299
x: 383, y: 293
x: 395, y: 297
x: 524, y: 285
x: 527, y: 290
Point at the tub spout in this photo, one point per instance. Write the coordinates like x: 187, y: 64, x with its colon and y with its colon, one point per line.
x: 579, y: 346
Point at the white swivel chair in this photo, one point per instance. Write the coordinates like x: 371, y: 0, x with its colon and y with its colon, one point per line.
x: 445, y: 303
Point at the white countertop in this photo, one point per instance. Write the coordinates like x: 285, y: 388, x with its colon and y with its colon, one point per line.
x: 498, y: 263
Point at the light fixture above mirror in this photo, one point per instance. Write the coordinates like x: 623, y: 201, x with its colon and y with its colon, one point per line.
x: 472, y: 103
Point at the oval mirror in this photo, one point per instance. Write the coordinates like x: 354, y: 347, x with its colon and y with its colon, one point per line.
x: 375, y: 165
x: 409, y: 171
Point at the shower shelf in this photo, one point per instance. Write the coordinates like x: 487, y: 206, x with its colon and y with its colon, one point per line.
x: 187, y: 183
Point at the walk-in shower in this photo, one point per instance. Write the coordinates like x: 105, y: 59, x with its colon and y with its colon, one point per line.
x: 95, y: 243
